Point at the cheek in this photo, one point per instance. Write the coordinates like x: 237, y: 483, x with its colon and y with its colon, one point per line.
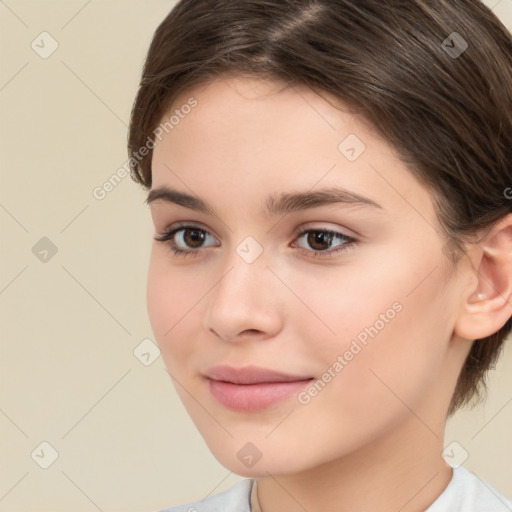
x: 161, y: 297
x: 171, y: 295
x: 340, y: 305
x: 389, y: 330
x: 378, y: 381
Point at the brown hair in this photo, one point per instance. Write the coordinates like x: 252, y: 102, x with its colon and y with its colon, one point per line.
x: 434, y: 77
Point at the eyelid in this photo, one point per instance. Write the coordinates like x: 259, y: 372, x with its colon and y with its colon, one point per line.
x: 325, y: 227
x: 188, y: 224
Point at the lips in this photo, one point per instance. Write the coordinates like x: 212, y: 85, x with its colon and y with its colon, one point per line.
x: 250, y: 375
x: 252, y: 388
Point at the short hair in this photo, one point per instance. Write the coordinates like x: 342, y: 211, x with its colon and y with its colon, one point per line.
x: 434, y: 77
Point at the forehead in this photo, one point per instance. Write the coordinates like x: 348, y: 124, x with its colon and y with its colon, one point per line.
x: 242, y: 120
x: 255, y: 106
x: 248, y: 136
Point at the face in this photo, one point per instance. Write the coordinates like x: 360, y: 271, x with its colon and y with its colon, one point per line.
x: 297, y: 332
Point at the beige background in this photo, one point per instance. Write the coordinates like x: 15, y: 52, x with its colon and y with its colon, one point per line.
x: 70, y: 325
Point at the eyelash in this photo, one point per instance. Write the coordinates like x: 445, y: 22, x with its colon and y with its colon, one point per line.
x: 168, y: 236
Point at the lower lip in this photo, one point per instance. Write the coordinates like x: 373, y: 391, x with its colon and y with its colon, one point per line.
x: 254, y: 397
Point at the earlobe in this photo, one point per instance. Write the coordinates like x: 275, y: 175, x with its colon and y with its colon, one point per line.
x: 488, y: 305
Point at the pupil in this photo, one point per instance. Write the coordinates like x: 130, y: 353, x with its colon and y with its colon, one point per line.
x: 319, y: 238
x: 197, y: 236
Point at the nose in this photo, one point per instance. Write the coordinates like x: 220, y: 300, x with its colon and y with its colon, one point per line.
x: 244, y: 304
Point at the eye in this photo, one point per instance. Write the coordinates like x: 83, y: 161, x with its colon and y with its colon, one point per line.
x: 321, y: 239
x: 187, y: 240
x: 184, y: 240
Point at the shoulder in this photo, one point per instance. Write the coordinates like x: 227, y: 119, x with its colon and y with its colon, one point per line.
x: 234, y: 499
x: 468, y: 493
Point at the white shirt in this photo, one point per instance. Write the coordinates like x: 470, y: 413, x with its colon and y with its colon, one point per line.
x: 465, y: 493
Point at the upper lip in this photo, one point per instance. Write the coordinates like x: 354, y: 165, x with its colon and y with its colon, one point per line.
x: 250, y: 375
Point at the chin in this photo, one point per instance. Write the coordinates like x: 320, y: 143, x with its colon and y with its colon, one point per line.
x: 255, y: 460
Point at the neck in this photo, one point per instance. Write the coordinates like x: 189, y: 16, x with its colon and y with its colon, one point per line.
x: 402, y: 471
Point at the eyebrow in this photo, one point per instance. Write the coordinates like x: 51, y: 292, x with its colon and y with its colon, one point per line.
x: 275, y: 204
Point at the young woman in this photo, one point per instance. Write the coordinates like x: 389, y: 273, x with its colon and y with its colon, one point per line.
x: 331, y: 276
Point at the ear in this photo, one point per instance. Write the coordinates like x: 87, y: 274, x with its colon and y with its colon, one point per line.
x: 488, y: 305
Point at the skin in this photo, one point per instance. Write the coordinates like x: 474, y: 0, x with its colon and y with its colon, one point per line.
x: 372, y: 438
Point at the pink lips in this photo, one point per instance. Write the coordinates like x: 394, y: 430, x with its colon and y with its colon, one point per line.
x: 252, y: 388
